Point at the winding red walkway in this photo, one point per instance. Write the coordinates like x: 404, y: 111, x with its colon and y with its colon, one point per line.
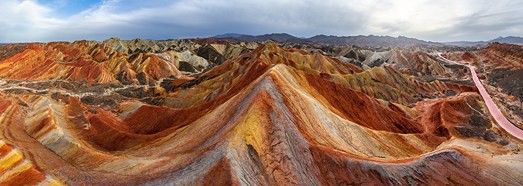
x: 492, y: 107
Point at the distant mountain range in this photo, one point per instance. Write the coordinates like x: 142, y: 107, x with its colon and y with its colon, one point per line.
x: 360, y: 40
x: 509, y: 40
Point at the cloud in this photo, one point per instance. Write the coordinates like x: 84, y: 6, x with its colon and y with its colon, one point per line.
x: 25, y: 20
x: 31, y: 20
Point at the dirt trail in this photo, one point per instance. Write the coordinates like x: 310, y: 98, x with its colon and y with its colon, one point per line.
x: 4, y: 86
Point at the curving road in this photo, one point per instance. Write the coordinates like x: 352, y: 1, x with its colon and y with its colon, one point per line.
x: 492, y: 107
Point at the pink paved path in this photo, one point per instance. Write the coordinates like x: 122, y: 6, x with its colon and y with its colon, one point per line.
x: 492, y: 107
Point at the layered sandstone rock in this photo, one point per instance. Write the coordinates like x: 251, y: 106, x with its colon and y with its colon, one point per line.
x: 257, y: 116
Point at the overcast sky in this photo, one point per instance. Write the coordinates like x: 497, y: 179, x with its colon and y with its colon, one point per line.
x: 434, y: 20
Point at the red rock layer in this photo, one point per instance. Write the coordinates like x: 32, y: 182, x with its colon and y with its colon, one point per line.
x: 362, y: 109
x: 494, y: 56
x: 444, y: 117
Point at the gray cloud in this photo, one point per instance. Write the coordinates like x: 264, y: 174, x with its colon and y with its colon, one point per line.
x: 443, y: 20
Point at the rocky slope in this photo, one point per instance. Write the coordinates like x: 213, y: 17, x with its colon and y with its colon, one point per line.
x: 129, y: 113
x: 7, y: 50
